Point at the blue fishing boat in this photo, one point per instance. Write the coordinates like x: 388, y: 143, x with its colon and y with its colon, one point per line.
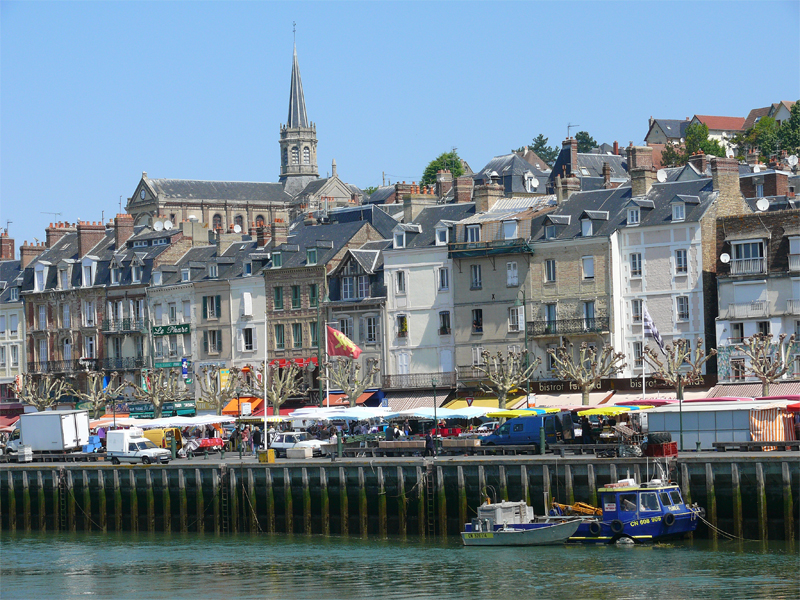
x: 631, y: 512
x: 514, y: 524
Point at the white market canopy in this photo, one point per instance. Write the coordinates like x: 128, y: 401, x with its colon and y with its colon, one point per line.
x: 357, y: 413
x: 198, y: 421
x: 427, y: 413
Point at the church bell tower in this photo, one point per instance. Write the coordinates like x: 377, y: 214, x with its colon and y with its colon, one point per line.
x: 298, y: 140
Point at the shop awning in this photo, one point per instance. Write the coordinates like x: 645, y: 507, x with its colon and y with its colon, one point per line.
x: 232, y: 408
x: 486, y: 402
x: 341, y: 399
x: 404, y: 400
x: 282, y: 411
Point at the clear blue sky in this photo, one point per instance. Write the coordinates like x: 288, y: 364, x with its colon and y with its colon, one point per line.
x: 94, y: 93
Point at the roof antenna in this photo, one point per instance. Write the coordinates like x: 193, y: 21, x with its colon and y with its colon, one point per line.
x: 570, y: 126
x: 55, y: 214
x: 7, y: 224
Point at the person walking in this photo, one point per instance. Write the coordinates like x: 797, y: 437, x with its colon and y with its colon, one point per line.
x: 246, y: 439
x: 256, y: 441
x: 430, y: 448
x: 586, y: 431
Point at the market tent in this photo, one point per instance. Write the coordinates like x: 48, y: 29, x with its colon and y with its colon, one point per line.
x: 793, y: 407
x: 488, y: 402
x: 197, y: 421
x: 232, y: 408
x: 527, y: 412
x: 427, y: 413
x: 771, y: 423
x: 358, y: 413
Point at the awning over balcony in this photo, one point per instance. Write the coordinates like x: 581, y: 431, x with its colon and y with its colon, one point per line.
x: 341, y: 399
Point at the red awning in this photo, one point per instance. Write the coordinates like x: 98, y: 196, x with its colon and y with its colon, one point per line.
x: 232, y: 407
x: 301, y: 362
x: 260, y: 412
x: 8, y: 421
x: 341, y: 399
x: 793, y: 407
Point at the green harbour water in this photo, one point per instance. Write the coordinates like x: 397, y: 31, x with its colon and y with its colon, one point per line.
x: 166, y: 566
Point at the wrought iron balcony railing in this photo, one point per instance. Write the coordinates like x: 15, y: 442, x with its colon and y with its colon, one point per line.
x: 566, y: 326
x: 64, y: 366
x: 124, y: 325
x: 419, y: 380
x: 123, y: 364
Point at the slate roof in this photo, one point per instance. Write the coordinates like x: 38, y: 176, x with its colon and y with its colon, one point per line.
x: 616, y: 201
x: 512, y: 169
x: 297, y: 103
x: 534, y: 159
x: 307, y: 236
x: 429, y: 217
x: 380, y: 195
x: 381, y: 221
x: 368, y: 259
x: 515, y: 203
x: 191, y: 189
x: 672, y: 128
x: 9, y: 274
x: 314, y: 186
x: 754, y: 115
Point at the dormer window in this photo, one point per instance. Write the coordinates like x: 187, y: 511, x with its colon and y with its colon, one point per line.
x: 634, y: 216
x: 550, y: 232
x: 442, y: 236
x: 586, y: 228
x: 277, y: 260
x: 140, y: 243
x: 213, y: 271
x: 400, y: 239
x: 247, y: 269
x: 63, y: 278
x: 161, y: 242
x: 678, y: 211
x: 157, y: 278
x: 136, y: 273
x: 14, y: 294
x: 473, y: 233
x: 584, y: 171
x: 39, y: 278
x: 509, y: 230
x: 116, y: 275
x: 311, y: 256
x: 186, y: 275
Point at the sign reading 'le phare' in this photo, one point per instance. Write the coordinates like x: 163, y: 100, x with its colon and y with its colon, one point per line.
x: 171, y: 329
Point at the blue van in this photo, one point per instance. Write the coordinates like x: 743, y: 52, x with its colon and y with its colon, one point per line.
x: 524, y: 431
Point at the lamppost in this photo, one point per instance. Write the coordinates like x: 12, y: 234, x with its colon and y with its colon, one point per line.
x: 525, y: 332
x: 434, y: 381
x: 239, y: 421
x: 322, y: 337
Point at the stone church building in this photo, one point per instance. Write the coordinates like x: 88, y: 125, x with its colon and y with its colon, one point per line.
x: 243, y: 206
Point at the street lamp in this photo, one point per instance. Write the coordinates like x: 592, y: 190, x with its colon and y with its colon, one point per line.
x: 239, y: 421
x: 434, y: 381
x: 320, y: 338
x: 525, y: 332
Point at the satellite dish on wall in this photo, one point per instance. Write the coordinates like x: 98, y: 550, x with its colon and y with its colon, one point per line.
x: 193, y: 218
x: 661, y: 175
x: 725, y: 257
x: 756, y: 169
x: 729, y: 152
x: 792, y: 160
x: 168, y: 225
x: 535, y: 182
x: 158, y: 225
x: 237, y: 229
x: 762, y: 204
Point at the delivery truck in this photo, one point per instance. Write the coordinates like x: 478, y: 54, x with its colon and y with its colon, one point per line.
x: 130, y: 445
x: 51, y: 431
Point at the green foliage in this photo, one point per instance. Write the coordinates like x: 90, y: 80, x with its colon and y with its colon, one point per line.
x: 789, y: 133
x: 763, y: 135
x: 446, y: 160
x: 697, y: 140
x: 547, y: 153
x: 370, y: 190
x: 585, y: 141
x: 672, y: 156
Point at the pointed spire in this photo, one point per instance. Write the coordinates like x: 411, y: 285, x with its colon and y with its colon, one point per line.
x: 297, y: 103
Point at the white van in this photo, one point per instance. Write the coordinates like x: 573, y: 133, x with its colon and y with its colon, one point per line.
x: 131, y: 446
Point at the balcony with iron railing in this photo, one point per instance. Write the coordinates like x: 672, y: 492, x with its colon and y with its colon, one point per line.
x: 793, y: 306
x: 748, y: 266
x: 748, y: 310
x: 124, y: 325
x: 123, y: 364
x: 64, y: 366
x: 495, y: 247
x: 419, y: 380
x: 567, y: 326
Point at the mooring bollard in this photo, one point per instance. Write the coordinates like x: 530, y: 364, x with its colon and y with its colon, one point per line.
x: 205, y: 454
x: 190, y: 455
x: 698, y: 445
x: 222, y: 452
x: 542, y: 440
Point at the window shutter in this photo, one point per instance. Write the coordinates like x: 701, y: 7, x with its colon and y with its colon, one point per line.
x: 219, y: 337
x: 239, y: 340
x: 255, y: 338
x: 218, y: 306
x: 362, y: 329
x: 205, y: 307
x: 247, y: 304
x: 205, y: 337
x: 109, y: 313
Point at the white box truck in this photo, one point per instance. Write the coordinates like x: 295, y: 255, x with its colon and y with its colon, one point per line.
x: 130, y: 445
x: 51, y: 431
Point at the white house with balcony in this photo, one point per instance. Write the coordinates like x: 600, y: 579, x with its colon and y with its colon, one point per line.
x: 419, y: 336
x: 758, y: 278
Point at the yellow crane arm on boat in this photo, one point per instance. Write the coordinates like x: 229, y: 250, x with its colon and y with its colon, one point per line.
x: 579, y: 508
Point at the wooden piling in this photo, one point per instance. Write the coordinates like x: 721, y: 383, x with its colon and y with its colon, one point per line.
x: 215, y: 491
x: 442, y: 501
x: 362, y: 503
x: 200, y: 503
x: 251, y: 504
x: 325, y: 503
x: 12, y: 503
x: 233, y: 494
x: 306, y: 501
x: 270, y: 493
x: 402, y: 504
x: 166, y: 501
x: 383, y: 525
x: 761, y: 503
x: 150, y: 499
x: 26, y: 503
x: 117, y: 502
x: 736, y: 499
x: 87, y: 501
x: 501, y: 472
x: 524, y: 483
x: 102, y: 505
x: 546, y: 484
x: 592, y: 484
x: 711, y: 501
x: 569, y: 486
x: 287, y: 501
x: 134, y: 500
x: 686, y: 487
x: 788, y: 502
x: 462, y: 492
x: 72, y: 524
x: 42, y: 510
x: 421, y: 522
x: 344, y: 510
x: 183, y: 504
x: 482, y: 491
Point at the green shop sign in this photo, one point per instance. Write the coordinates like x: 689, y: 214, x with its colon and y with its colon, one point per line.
x: 171, y: 365
x: 171, y: 329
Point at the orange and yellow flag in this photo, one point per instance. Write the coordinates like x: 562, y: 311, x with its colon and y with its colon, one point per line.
x: 341, y: 345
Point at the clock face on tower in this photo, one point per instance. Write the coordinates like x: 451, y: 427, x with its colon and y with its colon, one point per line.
x: 141, y: 194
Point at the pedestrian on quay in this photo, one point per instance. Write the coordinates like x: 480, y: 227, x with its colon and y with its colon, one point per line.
x: 587, y: 437
x: 233, y: 440
x: 256, y: 440
x: 430, y: 449
x: 246, y: 439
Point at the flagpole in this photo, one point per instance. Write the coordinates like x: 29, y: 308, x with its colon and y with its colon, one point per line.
x: 644, y: 382
x: 266, y: 371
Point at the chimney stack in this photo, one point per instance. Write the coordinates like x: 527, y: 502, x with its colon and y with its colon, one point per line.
x: 261, y: 237
x: 699, y: 161
x: 56, y: 231
x: 333, y: 168
x: 571, y: 144
x: 606, y: 175
x: 616, y: 148
x: 487, y: 195
x: 752, y: 158
x: 28, y: 252
x: 725, y: 177
x: 6, y: 247
x: 463, y: 189
x: 280, y: 232
x: 123, y: 230
x: 641, y: 169
x: 444, y: 182
x: 89, y: 235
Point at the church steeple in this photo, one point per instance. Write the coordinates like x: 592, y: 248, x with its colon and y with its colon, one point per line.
x: 298, y: 139
x: 297, y: 103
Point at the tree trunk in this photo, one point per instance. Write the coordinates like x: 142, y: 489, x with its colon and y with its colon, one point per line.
x: 585, y: 396
x: 276, y: 409
x: 157, y: 408
x: 765, y: 387
x: 501, y: 401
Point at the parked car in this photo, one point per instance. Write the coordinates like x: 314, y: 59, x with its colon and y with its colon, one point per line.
x: 282, y: 441
x: 488, y: 427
